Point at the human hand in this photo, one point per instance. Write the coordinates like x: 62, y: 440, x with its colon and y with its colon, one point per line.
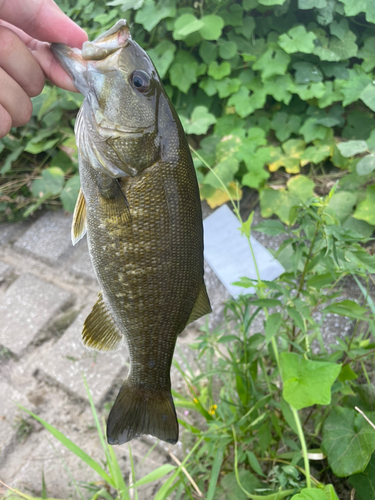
x: 25, y: 56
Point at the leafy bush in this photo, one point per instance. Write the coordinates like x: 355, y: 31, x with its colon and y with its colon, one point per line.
x: 273, y: 83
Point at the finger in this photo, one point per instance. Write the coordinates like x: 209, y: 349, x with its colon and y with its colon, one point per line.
x: 42, y: 53
x: 5, y: 122
x: 14, y: 100
x: 43, y: 20
x: 17, y: 60
x: 51, y: 68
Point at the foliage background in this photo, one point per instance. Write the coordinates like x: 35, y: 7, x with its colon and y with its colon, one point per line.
x: 265, y: 89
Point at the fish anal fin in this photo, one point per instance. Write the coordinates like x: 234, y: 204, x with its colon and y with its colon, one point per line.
x: 138, y: 411
x: 79, y: 224
x: 100, y: 332
x: 201, y: 306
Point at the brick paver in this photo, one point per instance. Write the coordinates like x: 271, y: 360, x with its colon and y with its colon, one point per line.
x: 26, y: 307
x: 9, y: 396
x: 68, y: 361
x: 48, y: 239
x: 5, y: 269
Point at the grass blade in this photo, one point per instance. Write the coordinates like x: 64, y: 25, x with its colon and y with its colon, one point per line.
x: 156, y: 474
x: 72, y: 447
x: 117, y: 475
x: 216, y: 466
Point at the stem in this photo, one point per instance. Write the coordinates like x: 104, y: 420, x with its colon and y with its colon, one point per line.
x: 303, y: 445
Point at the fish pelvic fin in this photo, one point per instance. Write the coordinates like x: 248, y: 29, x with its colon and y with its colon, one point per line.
x: 79, y: 224
x: 201, y: 306
x: 100, y: 332
x: 139, y: 411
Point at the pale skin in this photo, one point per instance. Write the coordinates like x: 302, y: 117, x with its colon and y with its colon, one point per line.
x: 27, y: 27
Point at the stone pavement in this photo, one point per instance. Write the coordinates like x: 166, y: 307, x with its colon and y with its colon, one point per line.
x: 47, y: 289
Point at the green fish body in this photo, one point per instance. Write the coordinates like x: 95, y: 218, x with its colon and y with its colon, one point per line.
x: 141, y: 210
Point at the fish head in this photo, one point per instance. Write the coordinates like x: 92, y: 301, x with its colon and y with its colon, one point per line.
x: 117, y: 126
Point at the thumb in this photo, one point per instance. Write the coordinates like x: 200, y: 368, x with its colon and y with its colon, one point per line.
x: 43, y: 20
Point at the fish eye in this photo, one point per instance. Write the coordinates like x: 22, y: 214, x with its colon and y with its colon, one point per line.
x: 140, y: 81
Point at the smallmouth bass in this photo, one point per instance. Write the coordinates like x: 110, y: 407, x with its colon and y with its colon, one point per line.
x: 139, y: 205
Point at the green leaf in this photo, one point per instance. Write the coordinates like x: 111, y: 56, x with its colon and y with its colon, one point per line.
x: 347, y: 308
x: 297, y: 39
x: 368, y: 96
x: 365, y: 209
x: 13, y: 156
x: 70, y: 192
x: 208, y: 53
x: 219, y: 71
x: 311, y: 130
x: 228, y: 86
x: 307, y: 72
x: 50, y: 184
x: 227, y: 50
x: 152, y: 13
x: 271, y: 227
x: 315, y: 154
x: 352, y: 148
x: 310, y: 494
x: 271, y: 2
x: 273, y: 62
x: 366, y: 165
x: 200, y: 121
x: 364, y: 483
x: 38, y: 147
x: 367, y: 53
x: 225, y: 170
x: 306, y: 382
x: 334, y: 48
x: 310, y: 4
x: 183, y: 71
x: 301, y: 187
x: 332, y: 94
x: 162, y: 56
x: 285, y: 125
x: 341, y: 204
x: 212, y: 27
x: 127, y: 4
x: 353, y: 87
x: 273, y: 324
x: 309, y: 91
x: 185, y: 25
x: 348, y: 441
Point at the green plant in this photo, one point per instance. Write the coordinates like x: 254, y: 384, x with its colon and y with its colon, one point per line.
x: 268, y: 398
x: 264, y: 88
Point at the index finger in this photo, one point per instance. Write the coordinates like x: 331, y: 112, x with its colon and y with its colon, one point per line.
x: 43, y: 20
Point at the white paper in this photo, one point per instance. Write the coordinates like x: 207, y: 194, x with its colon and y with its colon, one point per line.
x: 228, y: 253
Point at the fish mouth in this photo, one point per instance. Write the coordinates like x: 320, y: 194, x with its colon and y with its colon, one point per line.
x: 95, y: 55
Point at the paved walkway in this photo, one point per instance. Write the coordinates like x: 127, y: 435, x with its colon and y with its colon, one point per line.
x: 47, y: 289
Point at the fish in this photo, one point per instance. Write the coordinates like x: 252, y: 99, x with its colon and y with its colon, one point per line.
x: 139, y: 205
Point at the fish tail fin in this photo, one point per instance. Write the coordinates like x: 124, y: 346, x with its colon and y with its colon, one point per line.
x: 139, y: 411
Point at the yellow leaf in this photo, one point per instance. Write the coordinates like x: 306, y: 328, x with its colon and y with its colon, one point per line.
x: 219, y: 197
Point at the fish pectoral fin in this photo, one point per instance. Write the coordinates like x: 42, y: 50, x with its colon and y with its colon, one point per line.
x: 202, y: 305
x: 79, y: 224
x: 100, y: 332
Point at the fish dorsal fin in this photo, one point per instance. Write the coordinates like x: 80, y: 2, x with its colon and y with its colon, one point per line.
x: 100, y: 332
x: 79, y: 224
x: 202, y: 305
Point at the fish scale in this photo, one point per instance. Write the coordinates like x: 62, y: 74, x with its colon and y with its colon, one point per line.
x: 141, y: 210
